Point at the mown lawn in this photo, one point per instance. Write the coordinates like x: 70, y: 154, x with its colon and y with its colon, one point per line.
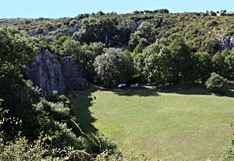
x: 173, y: 124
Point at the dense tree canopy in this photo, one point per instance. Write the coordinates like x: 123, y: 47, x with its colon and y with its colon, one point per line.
x: 181, y: 59
x: 113, y: 67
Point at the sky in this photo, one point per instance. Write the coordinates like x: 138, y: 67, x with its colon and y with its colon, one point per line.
x: 71, y: 8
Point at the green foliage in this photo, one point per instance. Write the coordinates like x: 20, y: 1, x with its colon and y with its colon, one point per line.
x: 84, y: 54
x: 24, y: 110
x: 139, y: 48
x: 215, y: 82
x: 18, y: 94
x: 71, y: 47
x: 133, y: 42
x: 189, y: 40
x: 229, y: 60
x: 113, y: 67
x: 95, y: 30
x: 220, y: 65
x: 211, y: 46
x: 134, y: 32
x: 155, y: 64
x: 15, y: 47
x: 62, y: 39
x: 203, y: 65
x: 145, y: 30
x: 21, y: 149
x: 182, y: 60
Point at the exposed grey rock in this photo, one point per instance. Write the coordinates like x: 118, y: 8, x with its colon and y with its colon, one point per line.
x: 227, y: 42
x: 141, y: 21
x: 33, y: 32
x: 69, y: 30
x: 73, y: 29
x: 138, y: 23
x: 48, y: 73
x: 73, y: 76
x: 46, y: 31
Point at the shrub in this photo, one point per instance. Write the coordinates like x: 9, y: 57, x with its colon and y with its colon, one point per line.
x: 20, y: 149
x: 215, y: 82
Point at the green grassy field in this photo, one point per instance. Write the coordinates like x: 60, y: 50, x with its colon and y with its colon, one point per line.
x: 172, y: 124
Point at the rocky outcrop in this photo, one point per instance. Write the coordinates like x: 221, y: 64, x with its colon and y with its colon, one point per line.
x: 50, y: 74
x: 141, y: 21
x: 136, y: 24
x: 226, y: 42
x: 72, y: 74
x: 33, y: 32
x: 69, y: 30
x: 73, y: 29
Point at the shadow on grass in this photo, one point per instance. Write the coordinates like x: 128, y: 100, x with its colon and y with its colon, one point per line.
x: 225, y: 92
x: 195, y: 89
x: 185, y: 89
x: 81, y: 110
x: 137, y: 91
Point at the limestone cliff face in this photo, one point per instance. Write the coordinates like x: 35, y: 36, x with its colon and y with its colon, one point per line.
x: 50, y: 74
x: 69, y: 30
x: 227, y: 42
x: 73, y: 76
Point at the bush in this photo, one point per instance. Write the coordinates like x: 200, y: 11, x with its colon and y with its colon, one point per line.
x: 21, y: 149
x: 215, y: 82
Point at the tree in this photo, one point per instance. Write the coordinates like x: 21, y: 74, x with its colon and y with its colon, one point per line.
x: 211, y: 46
x: 72, y: 48
x: 91, y: 52
x: 203, y: 65
x: 141, y: 45
x: 98, y: 30
x: 229, y: 60
x: 154, y: 64
x: 143, y: 35
x: 145, y: 30
x: 133, y: 41
x: 16, y: 50
x: 219, y: 64
x: 84, y: 54
x: 15, y: 47
x: 124, y: 30
x: 182, y: 60
x: 113, y: 67
x: 100, y: 13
